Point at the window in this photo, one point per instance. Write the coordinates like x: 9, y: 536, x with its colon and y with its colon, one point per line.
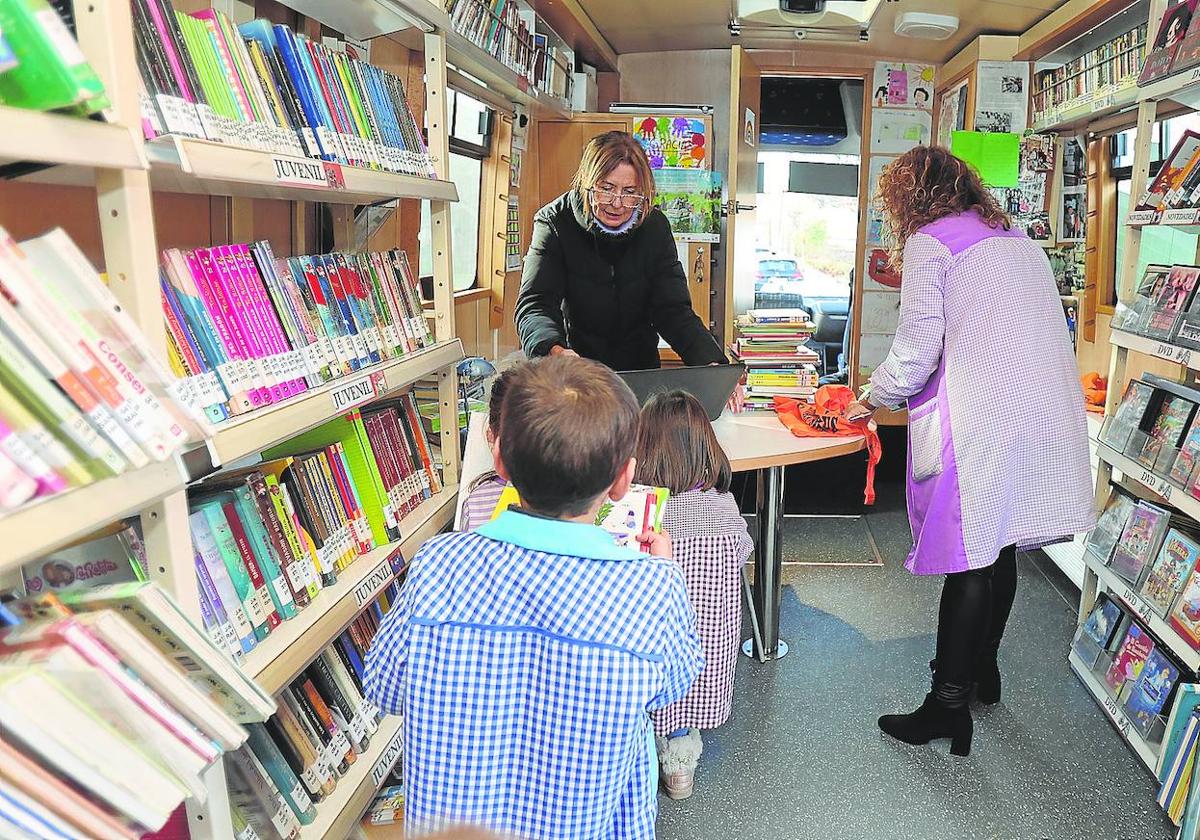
x: 470, y: 145
x: 1161, y: 245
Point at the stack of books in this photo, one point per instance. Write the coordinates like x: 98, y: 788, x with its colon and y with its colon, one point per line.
x: 1177, y: 184
x: 264, y: 87
x: 270, y: 538
x: 1177, y: 763
x: 82, y: 395
x: 41, y: 65
x: 507, y: 31
x: 104, y: 678
x: 247, y: 330
x: 1176, y: 43
x: 1110, y: 67
x: 775, y: 336
x: 323, y: 726
x: 763, y: 384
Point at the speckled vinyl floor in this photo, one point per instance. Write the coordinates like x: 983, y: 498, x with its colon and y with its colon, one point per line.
x: 802, y: 758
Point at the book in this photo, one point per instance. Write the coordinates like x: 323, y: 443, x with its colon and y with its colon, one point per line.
x: 1187, y: 699
x: 387, y: 807
x: 1128, y: 416
x: 47, y: 71
x: 1149, y: 694
x: 1140, y: 541
x: 1102, y: 622
x: 273, y: 765
x: 1130, y: 318
x: 1187, y: 55
x: 1162, y: 189
x: 1171, y: 568
x: 1176, y: 772
x: 1130, y: 659
x: 258, y: 797
x: 638, y: 511
x: 1108, y: 66
x: 1104, y: 536
x: 1168, y: 36
x: 1166, y: 432
x: 113, y: 556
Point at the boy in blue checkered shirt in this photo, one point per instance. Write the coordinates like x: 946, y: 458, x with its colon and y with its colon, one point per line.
x: 527, y: 654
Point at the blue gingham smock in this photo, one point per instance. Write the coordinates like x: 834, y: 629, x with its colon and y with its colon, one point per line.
x: 525, y: 657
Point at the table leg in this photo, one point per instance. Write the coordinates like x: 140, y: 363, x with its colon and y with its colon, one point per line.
x: 768, y: 567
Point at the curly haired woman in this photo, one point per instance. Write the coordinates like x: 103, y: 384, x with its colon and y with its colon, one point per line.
x: 998, y: 447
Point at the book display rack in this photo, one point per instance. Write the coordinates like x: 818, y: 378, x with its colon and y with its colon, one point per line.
x: 115, y: 159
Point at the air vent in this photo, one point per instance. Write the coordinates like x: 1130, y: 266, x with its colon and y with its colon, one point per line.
x: 926, y: 25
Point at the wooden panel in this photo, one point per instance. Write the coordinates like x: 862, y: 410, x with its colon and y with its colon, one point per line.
x: 745, y: 86
x: 28, y: 210
x: 1064, y: 24
x: 573, y: 24
x: 560, y: 143
x: 699, y: 274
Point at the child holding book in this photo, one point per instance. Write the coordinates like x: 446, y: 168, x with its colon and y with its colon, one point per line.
x: 484, y: 492
x: 526, y: 655
x: 678, y: 450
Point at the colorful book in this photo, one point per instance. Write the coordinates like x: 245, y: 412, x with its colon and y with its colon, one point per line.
x: 1166, y: 432
x: 1171, y: 568
x: 1130, y: 659
x: 1148, y: 697
x: 1140, y: 541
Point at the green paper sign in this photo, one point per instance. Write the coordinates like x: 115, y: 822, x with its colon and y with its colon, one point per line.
x: 993, y: 156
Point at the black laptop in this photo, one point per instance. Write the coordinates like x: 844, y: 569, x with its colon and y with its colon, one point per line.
x: 712, y: 385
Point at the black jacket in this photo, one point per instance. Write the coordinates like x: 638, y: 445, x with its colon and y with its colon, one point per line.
x: 607, y: 297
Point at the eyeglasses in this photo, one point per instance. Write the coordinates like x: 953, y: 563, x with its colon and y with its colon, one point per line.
x: 627, y: 200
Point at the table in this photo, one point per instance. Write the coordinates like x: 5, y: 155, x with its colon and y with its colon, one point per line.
x: 759, y: 442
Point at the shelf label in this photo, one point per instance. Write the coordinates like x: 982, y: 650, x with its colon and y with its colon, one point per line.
x: 1173, y: 353
x: 1138, y: 605
x: 1180, y: 216
x: 1102, y: 102
x: 391, y: 754
x: 308, y: 173
x: 379, y: 578
x: 1141, y: 217
x: 1195, y: 77
x: 361, y: 390
x: 1116, y: 715
x: 335, y: 179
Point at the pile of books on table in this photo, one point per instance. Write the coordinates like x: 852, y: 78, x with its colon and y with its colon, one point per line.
x: 773, y: 345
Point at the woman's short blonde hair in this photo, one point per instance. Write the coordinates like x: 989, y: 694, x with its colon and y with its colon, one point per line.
x: 605, y: 153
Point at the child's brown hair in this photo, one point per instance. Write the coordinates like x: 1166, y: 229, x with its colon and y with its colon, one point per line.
x: 568, y: 429
x: 677, y: 448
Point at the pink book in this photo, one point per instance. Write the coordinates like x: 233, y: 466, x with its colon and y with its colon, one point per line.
x: 41, y: 638
x: 248, y: 315
x: 16, y: 485
x: 268, y: 317
x: 209, y: 16
x: 224, y: 299
x: 48, y: 481
x: 181, y: 272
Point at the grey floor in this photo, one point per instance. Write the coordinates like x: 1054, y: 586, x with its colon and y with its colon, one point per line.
x: 802, y: 758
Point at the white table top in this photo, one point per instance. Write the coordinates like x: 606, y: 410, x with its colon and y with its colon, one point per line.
x: 754, y: 440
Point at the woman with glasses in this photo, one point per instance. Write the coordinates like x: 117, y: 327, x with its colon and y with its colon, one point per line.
x: 602, y: 277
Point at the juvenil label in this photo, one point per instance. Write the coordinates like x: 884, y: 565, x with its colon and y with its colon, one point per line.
x: 389, y: 758
x: 361, y: 390
x: 309, y: 173
x: 380, y: 577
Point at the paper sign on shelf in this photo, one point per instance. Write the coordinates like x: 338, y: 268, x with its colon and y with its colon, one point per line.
x: 375, y: 583
x: 391, y: 754
x: 360, y: 391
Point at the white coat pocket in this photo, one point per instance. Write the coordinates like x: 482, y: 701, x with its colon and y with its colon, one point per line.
x: 925, y: 440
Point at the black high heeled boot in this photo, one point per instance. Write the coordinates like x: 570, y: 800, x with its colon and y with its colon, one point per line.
x: 944, y: 714
x: 987, y: 674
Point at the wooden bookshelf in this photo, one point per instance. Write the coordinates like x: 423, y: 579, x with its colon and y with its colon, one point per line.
x: 298, y: 641
x: 65, y: 140
x: 1070, y: 21
x: 266, y: 427
x: 1076, y: 116
x: 1146, y: 751
x: 340, y: 812
x: 48, y: 524
x: 478, y: 62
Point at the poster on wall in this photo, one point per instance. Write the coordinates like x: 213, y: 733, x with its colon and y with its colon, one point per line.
x: 1002, y: 96
x: 751, y: 128
x: 1074, y: 172
x: 880, y: 312
x: 874, y: 216
x: 1028, y: 203
x: 872, y: 350
x: 896, y: 130
x: 514, y: 168
x: 879, y: 274
x: 673, y: 142
x: 691, y: 201
x: 512, y: 236
x: 952, y: 113
x: 1072, y: 213
x: 903, y: 85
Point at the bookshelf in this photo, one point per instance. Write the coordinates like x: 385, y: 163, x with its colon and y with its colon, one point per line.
x: 279, y: 658
x: 1143, y: 749
x: 1158, y: 349
x: 125, y: 171
x: 338, y: 815
x: 265, y: 428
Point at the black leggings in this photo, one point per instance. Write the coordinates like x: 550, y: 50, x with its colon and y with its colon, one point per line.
x: 975, y: 607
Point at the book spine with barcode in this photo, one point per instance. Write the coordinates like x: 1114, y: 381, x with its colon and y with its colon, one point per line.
x: 301, y: 752
x: 363, y: 708
x: 263, y: 342
x: 291, y: 566
x: 264, y: 551
x: 350, y: 498
x: 255, y: 601
x: 307, y: 693
x: 412, y: 289
x: 413, y: 486
x: 318, y: 736
x: 217, y: 622
x: 301, y: 82
x: 389, y: 468
x: 220, y: 308
x: 414, y: 419
x: 204, y: 384
x: 305, y: 321
x: 305, y: 274
x: 209, y: 554
x: 289, y: 510
x: 404, y: 424
x: 339, y: 705
x: 285, y: 344
x: 331, y: 280
x: 244, y: 312
x: 347, y: 284
x: 330, y: 118
x: 385, y: 303
x: 400, y: 306
x: 321, y: 481
x: 272, y: 763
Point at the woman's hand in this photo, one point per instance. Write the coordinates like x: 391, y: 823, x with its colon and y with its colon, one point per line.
x: 655, y: 544
x: 559, y: 350
x: 859, y: 410
x: 737, y: 400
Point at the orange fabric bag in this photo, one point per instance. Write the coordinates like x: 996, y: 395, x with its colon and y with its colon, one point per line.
x: 826, y: 417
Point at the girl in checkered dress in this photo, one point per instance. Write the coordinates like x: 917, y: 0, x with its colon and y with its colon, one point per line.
x: 484, y: 492
x: 677, y: 449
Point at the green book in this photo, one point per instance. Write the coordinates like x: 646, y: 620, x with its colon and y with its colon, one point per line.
x: 52, y: 73
x: 264, y: 552
x: 364, y: 474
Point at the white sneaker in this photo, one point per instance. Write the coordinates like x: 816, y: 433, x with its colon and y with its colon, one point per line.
x: 677, y: 760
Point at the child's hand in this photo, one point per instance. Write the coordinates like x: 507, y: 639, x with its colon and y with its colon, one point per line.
x: 655, y: 544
